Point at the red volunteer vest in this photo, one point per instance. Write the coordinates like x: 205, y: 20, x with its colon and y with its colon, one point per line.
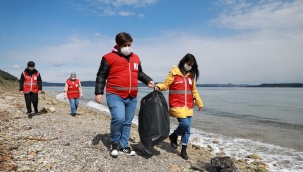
x: 73, y: 89
x: 30, y: 83
x: 123, y: 75
x: 180, y: 92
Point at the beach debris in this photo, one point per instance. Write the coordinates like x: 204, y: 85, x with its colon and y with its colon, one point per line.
x: 174, y: 167
x: 48, y: 110
x: 260, y: 163
x: 200, y: 165
x: 52, y: 109
x: 255, y: 156
x: 196, y: 146
x: 225, y: 164
x: 216, y: 142
x: 48, y: 166
x: 66, y: 144
x: 196, y: 139
x: 32, y: 153
x: 38, y: 139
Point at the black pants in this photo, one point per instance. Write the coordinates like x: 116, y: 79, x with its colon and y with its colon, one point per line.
x: 29, y: 99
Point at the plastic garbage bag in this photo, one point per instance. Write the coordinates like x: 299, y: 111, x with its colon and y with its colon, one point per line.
x: 154, y: 125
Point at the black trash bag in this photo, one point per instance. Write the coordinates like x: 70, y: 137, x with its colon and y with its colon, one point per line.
x: 154, y: 125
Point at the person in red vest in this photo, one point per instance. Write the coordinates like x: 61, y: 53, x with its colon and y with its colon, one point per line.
x: 120, y: 70
x: 30, y: 86
x: 182, y: 97
x: 73, y: 91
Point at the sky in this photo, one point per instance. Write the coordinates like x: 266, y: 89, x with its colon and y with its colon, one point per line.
x: 234, y: 41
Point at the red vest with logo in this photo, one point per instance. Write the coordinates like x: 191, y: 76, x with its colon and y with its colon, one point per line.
x: 123, y: 75
x: 30, y: 83
x: 73, y: 89
x: 180, y: 92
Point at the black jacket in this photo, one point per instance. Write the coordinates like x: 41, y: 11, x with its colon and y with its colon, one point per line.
x: 27, y: 71
x: 103, y: 74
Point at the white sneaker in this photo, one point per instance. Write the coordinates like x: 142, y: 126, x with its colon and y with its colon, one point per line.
x: 114, y: 149
x: 127, y: 151
x: 114, y: 153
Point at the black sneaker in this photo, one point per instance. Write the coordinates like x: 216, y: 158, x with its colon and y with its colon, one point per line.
x: 114, y: 149
x: 29, y: 114
x: 173, y: 140
x: 148, y: 154
x: 127, y: 151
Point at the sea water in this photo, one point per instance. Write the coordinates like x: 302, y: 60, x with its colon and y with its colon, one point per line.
x: 244, y: 120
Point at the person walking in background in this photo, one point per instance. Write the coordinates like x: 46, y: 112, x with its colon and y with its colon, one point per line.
x: 30, y: 86
x: 122, y: 69
x: 73, y: 91
x: 183, y: 95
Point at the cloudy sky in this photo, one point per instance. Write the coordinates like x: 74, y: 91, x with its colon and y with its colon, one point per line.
x: 234, y: 41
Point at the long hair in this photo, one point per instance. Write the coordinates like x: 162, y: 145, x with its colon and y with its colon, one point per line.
x: 194, y: 71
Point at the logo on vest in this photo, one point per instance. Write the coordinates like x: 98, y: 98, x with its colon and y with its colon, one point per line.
x: 136, y: 66
x: 179, y: 82
x: 189, y: 81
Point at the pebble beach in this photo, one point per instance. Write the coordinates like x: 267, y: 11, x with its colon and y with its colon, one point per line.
x: 53, y: 140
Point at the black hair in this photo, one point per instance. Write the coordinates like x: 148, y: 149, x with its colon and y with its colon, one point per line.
x: 122, y: 38
x: 31, y: 63
x: 190, y: 58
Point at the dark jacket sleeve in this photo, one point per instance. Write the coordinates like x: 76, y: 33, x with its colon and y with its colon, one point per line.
x: 39, y: 82
x: 142, y: 76
x: 101, y: 77
x: 21, y: 81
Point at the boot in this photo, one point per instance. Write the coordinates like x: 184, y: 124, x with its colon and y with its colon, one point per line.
x: 183, y: 152
x: 173, y: 140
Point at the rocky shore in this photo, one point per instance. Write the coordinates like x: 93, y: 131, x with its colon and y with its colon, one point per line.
x: 53, y: 140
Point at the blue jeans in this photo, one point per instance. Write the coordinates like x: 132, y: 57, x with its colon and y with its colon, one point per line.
x: 74, y: 105
x: 183, y: 129
x: 122, y: 112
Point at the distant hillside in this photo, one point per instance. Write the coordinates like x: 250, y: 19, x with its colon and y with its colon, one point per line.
x: 52, y: 84
x: 279, y: 85
x: 8, y: 81
x: 6, y: 76
x: 222, y: 85
x: 83, y: 83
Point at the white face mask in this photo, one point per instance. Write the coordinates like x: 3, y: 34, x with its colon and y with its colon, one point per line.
x: 126, y: 51
x: 31, y: 68
x: 187, y: 68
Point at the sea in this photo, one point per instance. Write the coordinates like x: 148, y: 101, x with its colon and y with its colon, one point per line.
x: 244, y: 120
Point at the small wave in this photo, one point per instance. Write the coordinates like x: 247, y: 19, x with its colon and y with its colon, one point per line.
x: 98, y: 106
x: 61, y: 97
x: 277, y: 158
